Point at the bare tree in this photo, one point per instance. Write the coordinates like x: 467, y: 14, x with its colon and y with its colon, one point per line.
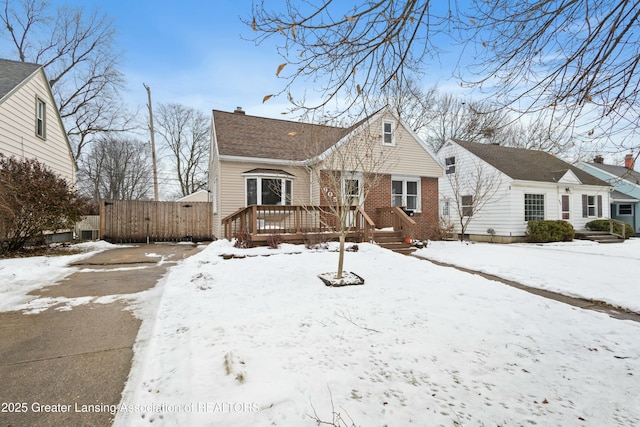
x: 349, y: 52
x: 577, y: 59
x: 413, y: 104
x: 116, y: 168
x: 453, y: 118
x: 185, y: 133
x: 346, y: 174
x: 471, y: 187
x: 77, y: 51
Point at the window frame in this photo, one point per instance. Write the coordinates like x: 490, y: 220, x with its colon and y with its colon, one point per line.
x: 467, y: 208
x: 391, y: 133
x: 450, y: 165
x: 446, y: 209
x: 286, y: 183
x: 618, y: 210
x: 535, y: 215
x: 41, y: 118
x: 405, y: 195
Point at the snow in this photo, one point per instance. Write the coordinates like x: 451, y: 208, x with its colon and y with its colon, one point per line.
x: 259, y: 340
x: 19, y: 276
x: 601, y: 272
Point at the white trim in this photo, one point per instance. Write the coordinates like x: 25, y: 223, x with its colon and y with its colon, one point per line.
x: 632, y: 205
x: 392, y: 133
x: 268, y: 175
x: 405, y: 179
x: 262, y: 160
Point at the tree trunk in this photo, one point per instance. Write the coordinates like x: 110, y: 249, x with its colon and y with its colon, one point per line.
x: 341, y: 257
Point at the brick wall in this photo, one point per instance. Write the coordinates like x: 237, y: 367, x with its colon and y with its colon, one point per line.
x: 380, y: 197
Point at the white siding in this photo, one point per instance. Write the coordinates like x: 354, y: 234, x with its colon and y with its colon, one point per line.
x: 496, y: 213
x: 505, y: 212
x: 18, y: 128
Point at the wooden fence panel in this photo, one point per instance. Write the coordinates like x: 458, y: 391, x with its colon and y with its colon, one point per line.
x: 130, y: 221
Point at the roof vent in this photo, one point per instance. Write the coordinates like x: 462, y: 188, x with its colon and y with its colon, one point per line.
x: 598, y: 159
x: 238, y: 110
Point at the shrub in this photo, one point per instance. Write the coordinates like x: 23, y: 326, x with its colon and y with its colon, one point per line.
x: 550, y: 231
x: 34, y: 200
x: 243, y: 239
x: 274, y: 241
x: 603, y: 225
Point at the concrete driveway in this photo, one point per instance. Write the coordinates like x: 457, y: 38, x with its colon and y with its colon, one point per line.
x: 69, y: 367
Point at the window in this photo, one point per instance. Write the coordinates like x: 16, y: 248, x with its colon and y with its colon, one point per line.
x: 41, y: 112
x: 625, y: 209
x: 387, y: 133
x: 467, y: 205
x: 445, y: 208
x: 591, y: 206
x: 450, y: 163
x: 533, y: 207
x: 268, y: 191
x: 405, y: 192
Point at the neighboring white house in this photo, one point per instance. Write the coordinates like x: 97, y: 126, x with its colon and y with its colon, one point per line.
x: 625, y: 200
x: 30, y: 123
x: 529, y: 185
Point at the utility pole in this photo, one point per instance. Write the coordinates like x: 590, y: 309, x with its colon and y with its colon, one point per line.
x: 153, y: 145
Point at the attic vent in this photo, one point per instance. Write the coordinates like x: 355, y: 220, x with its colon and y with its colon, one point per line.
x: 238, y: 110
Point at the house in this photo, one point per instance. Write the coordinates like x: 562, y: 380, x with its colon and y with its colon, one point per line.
x: 198, y: 196
x: 524, y: 185
x: 30, y: 124
x: 625, y: 199
x: 276, y: 174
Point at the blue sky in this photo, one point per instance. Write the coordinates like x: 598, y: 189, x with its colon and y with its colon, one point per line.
x: 193, y: 53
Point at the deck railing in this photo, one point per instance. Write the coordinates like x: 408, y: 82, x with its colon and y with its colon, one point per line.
x: 622, y: 225
x: 397, y: 218
x: 262, y: 221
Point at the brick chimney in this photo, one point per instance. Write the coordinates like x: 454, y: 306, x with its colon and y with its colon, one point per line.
x: 598, y: 159
x: 629, y: 162
x: 238, y: 110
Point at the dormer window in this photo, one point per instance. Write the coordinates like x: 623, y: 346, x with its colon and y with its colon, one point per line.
x: 41, y: 111
x: 450, y: 165
x: 387, y: 133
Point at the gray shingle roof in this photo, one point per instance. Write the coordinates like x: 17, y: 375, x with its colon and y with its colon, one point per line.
x: 242, y: 135
x: 527, y: 165
x: 620, y: 171
x: 12, y: 73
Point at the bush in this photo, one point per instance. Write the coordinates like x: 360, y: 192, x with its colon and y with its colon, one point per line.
x: 274, y: 241
x: 603, y: 225
x: 34, y: 200
x: 550, y: 231
x: 243, y: 239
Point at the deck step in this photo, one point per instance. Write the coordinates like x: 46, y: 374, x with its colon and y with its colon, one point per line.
x: 598, y: 236
x: 393, y: 241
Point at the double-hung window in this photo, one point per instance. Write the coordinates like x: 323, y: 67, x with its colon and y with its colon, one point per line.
x: 467, y: 205
x: 387, y: 133
x: 591, y: 206
x: 41, y: 113
x: 268, y: 188
x: 450, y: 165
x: 405, y: 192
x: 533, y: 207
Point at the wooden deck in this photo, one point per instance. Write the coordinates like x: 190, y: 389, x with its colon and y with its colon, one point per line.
x: 301, y: 224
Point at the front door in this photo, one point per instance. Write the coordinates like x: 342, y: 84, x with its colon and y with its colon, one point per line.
x: 352, y: 193
x: 566, y: 215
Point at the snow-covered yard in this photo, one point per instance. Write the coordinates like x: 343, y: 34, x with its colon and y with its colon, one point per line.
x: 260, y: 341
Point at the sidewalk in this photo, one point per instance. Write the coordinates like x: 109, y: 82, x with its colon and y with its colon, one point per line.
x: 69, y: 367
